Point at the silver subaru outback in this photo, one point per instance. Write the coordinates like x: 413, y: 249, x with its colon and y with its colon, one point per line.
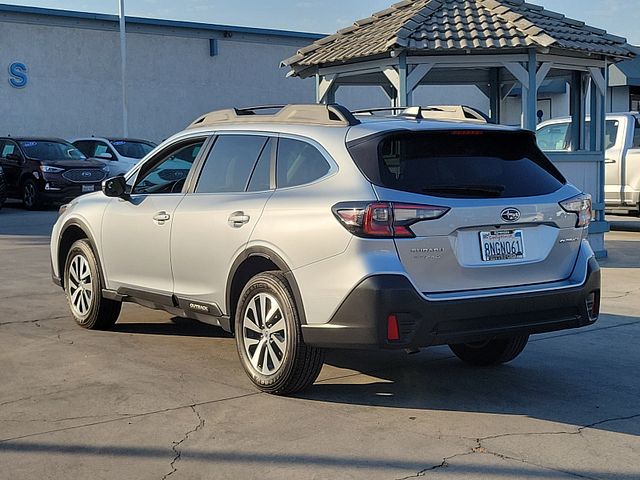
x: 309, y: 227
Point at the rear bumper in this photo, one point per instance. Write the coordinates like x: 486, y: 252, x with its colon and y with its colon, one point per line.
x: 361, y: 320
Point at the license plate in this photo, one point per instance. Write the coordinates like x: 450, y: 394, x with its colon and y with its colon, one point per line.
x: 502, y: 245
x: 87, y: 188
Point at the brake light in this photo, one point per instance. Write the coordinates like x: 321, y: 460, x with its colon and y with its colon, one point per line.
x: 581, y: 206
x: 385, y: 219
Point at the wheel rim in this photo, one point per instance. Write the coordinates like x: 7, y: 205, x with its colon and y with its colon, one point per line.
x: 80, y: 286
x: 29, y: 194
x: 264, y: 334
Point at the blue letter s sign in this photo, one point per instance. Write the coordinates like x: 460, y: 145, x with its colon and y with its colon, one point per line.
x: 18, y: 72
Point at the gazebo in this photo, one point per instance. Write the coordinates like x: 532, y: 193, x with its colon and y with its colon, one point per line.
x: 496, y: 45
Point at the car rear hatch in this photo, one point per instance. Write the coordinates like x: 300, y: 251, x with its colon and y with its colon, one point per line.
x: 500, y: 220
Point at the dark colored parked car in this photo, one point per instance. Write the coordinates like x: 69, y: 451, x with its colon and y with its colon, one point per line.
x: 3, y: 188
x: 47, y: 170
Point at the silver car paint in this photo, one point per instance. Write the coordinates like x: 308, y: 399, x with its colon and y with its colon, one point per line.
x: 191, y: 253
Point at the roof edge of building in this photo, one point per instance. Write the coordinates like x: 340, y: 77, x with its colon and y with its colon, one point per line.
x: 5, y: 8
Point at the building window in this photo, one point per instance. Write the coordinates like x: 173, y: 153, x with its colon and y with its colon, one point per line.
x: 635, y: 99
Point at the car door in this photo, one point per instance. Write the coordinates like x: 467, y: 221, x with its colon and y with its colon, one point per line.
x: 213, y: 224
x: 136, y: 231
x: 11, y: 161
x: 614, y: 159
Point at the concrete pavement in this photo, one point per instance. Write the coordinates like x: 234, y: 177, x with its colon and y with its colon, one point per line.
x: 167, y: 398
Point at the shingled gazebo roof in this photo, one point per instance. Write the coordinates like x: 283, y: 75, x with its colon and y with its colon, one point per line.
x: 449, y: 26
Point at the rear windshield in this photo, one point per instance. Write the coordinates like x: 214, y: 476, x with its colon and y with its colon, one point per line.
x: 458, y: 164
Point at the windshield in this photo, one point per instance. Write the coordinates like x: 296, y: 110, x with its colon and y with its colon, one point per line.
x: 459, y: 164
x: 132, y: 149
x: 51, y: 150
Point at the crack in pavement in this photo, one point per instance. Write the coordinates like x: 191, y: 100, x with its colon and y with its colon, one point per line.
x: 26, y: 322
x: 176, y: 445
x: 481, y: 449
x: 128, y: 417
x: 622, y: 295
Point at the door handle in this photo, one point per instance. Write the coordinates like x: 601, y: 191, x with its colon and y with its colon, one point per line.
x: 610, y: 160
x: 161, y: 217
x: 238, y: 219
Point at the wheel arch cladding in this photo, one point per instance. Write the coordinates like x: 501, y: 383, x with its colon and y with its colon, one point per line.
x: 73, y: 231
x: 253, y: 261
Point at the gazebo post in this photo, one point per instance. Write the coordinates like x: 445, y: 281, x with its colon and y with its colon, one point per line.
x: 495, y: 97
x: 530, y: 103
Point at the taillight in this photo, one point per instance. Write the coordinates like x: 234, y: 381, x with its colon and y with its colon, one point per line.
x: 385, y: 219
x: 581, y: 206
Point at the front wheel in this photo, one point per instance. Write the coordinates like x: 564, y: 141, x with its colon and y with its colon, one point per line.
x: 269, y: 337
x: 83, y: 287
x: 31, y: 196
x: 490, y: 352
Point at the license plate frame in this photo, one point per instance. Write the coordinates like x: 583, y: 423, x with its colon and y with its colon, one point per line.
x: 88, y: 188
x: 502, y: 246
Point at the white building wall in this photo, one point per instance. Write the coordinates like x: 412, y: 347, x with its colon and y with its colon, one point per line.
x: 74, y: 84
x: 619, y: 99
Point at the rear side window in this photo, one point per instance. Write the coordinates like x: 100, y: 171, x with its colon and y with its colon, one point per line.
x: 555, y: 137
x: 299, y: 163
x: 636, y: 135
x: 458, y: 164
x: 231, y: 163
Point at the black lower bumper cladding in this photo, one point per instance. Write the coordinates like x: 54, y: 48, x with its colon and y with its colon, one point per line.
x: 361, y: 320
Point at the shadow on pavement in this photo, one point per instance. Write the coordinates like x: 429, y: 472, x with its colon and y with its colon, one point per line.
x: 622, y: 254
x: 312, y: 461
x: 570, y: 382
x: 181, y: 327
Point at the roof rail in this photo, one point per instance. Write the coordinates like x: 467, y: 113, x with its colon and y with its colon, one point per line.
x: 433, y: 112
x: 307, y: 114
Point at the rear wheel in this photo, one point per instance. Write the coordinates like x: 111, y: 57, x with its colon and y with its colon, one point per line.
x: 30, y: 195
x: 83, y: 286
x: 490, y: 352
x: 269, y: 338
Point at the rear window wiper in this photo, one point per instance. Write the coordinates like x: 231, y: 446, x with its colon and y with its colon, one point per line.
x: 476, y: 190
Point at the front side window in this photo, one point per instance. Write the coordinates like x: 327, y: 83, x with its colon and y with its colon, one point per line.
x: 299, y: 163
x: 51, y: 150
x: 169, y: 174
x: 132, y: 149
x: 101, y: 149
x: 86, y: 147
x: 7, y: 149
x: 230, y: 163
x: 636, y: 135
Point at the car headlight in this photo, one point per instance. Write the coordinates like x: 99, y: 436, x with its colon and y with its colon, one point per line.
x: 50, y: 169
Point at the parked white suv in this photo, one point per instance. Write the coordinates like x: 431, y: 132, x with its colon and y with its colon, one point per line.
x: 119, y: 154
x: 622, y: 155
x: 315, y: 228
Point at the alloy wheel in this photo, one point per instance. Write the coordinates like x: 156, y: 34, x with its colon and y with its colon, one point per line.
x: 80, y: 286
x: 29, y: 194
x: 264, y: 333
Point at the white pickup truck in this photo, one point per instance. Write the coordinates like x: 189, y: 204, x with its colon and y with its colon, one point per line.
x: 622, y: 156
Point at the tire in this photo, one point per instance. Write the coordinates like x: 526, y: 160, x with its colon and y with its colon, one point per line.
x: 273, y: 353
x: 30, y: 195
x: 491, y: 352
x: 83, y: 287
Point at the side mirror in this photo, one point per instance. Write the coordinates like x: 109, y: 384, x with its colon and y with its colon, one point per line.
x: 14, y: 157
x: 115, y: 187
x: 105, y: 156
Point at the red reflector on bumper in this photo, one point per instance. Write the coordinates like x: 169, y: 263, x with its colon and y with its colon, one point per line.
x: 393, y: 332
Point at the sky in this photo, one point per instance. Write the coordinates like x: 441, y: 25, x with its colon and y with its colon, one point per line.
x: 620, y: 17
